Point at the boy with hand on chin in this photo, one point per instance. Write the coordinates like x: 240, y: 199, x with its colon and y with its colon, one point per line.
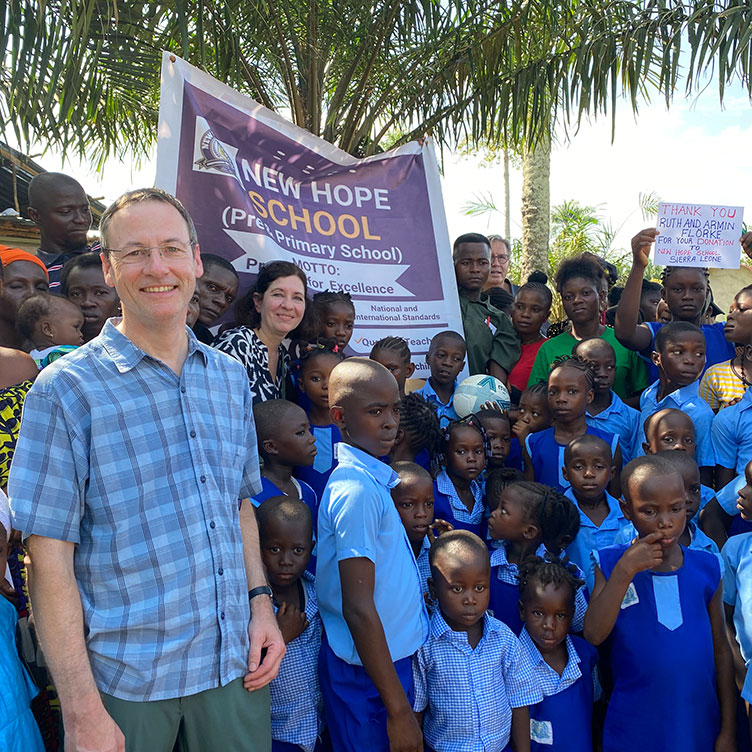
x: 368, y: 585
x: 679, y: 355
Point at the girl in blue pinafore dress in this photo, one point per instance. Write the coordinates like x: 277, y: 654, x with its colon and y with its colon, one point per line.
x: 659, y: 607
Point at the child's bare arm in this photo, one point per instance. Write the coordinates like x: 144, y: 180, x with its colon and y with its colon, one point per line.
x: 359, y: 611
x: 723, y: 476
x: 724, y: 669
x: 521, y: 729
x: 627, y: 328
x: 607, y: 596
x: 528, y: 462
x: 715, y: 522
x: 740, y: 669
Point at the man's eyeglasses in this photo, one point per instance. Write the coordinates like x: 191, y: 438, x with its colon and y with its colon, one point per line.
x: 172, y: 252
x: 499, y: 257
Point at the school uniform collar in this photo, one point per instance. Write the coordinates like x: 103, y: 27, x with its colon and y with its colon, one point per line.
x: 499, y: 557
x: 615, y: 407
x: 572, y: 670
x: 444, y: 485
x: 441, y: 630
x: 126, y: 355
x: 746, y: 401
x: 347, y: 454
x: 680, y: 396
x: 614, y: 508
x: 430, y: 393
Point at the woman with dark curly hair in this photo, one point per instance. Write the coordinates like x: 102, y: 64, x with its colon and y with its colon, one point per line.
x: 270, y: 312
x: 579, y: 281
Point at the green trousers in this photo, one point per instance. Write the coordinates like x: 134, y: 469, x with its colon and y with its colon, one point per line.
x: 224, y: 719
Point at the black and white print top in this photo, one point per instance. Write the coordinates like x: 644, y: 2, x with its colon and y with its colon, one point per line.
x: 245, y: 346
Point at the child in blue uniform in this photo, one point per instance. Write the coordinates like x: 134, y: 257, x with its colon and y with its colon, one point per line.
x: 445, y: 358
x: 286, y: 541
x: 532, y: 415
x: 732, y: 435
x: 570, y: 391
x: 333, y: 315
x: 315, y: 363
x: 680, y: 356
x: 368, y: 585
x: 473, y: 683
x: 686, y: 292
x: 737, y: 600
x: 498, y: 434
x: 563, y: 664
x: 588, y: 467
x: 419, y: 434
x: 394, y: 354
x: 413, y: 497
x: 608, y: 411
x: 528, y: 519
x: 458, y: 494
x: 659, y: 605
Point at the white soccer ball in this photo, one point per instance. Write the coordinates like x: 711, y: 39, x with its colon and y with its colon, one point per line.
x: 470, y: 395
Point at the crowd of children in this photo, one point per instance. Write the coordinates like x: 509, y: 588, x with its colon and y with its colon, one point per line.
x: 572, y: 574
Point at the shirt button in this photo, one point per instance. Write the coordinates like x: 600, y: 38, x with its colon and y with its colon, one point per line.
x: 203, y: 479
x: 193, y: 434
x: 212, y: 525
x: 220, y: 571
x: 182, y: 389
x: 222, y: 616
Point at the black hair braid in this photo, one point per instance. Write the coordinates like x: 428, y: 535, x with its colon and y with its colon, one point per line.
x: 418, y: 418
x: 557, y: 518
x: 329, y: 297
x: 549, y: 571
x: 537, y: 282
x: 541, y: 387
x: 307, y: 352
x: 667, y: 271
x: 439, y: 460
x: 394, y: 344
x: 572, y: 361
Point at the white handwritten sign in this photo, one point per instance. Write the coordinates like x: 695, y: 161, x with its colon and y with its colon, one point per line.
x: 699, y: 235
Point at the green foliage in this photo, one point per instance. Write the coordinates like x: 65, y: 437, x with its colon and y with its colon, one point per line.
x: 83, y: 75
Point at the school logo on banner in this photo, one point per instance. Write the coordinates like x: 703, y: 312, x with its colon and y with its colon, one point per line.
x: 261, y: 189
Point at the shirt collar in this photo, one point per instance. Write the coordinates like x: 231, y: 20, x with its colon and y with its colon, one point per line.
x: 614, y: 508
x: 439, y: 627
x: 126, y: 355
x: 680, y: 396
x: 614, y: 407
x: 444, y: 485
x: 347, y: 454
x: 429, y: 392
x: 571, y: 670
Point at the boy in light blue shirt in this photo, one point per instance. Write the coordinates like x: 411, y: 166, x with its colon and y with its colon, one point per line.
x: 445, y: 358
x: 608, y: 411
x: 732, y: 437
x: 473, y: 682
x: 679, y: 355
x: 589, y: 467
x: 367, y: 582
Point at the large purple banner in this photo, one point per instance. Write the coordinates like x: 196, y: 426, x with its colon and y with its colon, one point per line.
x: 259, y: 188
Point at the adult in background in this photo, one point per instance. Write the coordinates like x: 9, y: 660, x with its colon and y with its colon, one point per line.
x: 21, y: 276
x: 82, y: 282
x: 217, y: 289
x: 59, y: 207
x: 497, y: 273
x: 267, y: 314
x: 492, y: 344
x: 148, y: 442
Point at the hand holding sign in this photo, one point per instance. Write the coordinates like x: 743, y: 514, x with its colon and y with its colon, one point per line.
x: 704, y: 235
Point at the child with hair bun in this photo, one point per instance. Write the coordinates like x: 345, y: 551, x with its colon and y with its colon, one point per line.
x: 565, y: 665
x: 458, y: 493
x: 527, y: 519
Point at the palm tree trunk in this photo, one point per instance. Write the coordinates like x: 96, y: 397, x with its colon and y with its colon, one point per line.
x: 507, y: 200
x: 536, y: 206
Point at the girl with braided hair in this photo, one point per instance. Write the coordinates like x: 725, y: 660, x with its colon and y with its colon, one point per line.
x: 570, y: 391
x: 528, y: 519
x: 686, y: 291
x: 334, y: 316
x: 564, y: 664
x: 419, y: 433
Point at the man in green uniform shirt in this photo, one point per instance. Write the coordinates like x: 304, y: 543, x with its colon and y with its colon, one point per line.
x: 492, y: 343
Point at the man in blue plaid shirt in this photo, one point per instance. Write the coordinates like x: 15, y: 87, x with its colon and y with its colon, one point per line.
x: 133, y: 453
